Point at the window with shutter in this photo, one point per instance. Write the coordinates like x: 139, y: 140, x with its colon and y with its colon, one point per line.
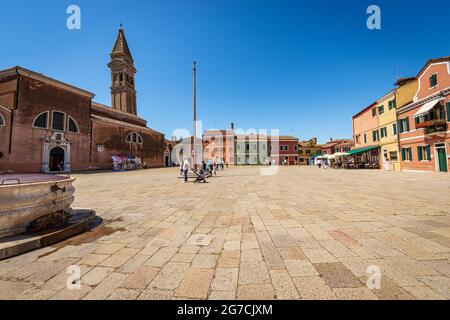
x: 448, y: 111
x: 433, y: 80
x: 417, y: 120
x: 419, y: 152
x: 428, y: 150
x: 403, y: 154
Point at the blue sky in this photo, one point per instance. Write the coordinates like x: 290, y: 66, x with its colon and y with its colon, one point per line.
x: 304, y: 67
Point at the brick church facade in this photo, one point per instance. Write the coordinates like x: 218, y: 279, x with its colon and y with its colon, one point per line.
x: 47, y: 125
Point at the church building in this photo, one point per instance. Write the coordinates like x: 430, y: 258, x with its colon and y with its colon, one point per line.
x: 47, y: 125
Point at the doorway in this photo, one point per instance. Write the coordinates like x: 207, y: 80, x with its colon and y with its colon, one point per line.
x: 167, y: 161
x: 441, y: 158
x: 56, y: 160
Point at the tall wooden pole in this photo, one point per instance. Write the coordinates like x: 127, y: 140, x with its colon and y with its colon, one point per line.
x: 195, y: 117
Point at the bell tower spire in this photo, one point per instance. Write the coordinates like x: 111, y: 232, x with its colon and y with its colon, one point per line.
x: 123, y: 93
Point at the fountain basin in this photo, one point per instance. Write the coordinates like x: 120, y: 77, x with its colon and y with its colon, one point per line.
x: 33, y: 202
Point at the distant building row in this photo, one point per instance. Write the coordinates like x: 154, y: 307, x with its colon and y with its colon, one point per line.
x: 259, y: 149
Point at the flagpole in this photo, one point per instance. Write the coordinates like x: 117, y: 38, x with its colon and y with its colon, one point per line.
x: 195, y: 117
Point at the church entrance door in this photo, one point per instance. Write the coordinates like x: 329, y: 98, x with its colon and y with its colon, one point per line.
x: 56, y: 160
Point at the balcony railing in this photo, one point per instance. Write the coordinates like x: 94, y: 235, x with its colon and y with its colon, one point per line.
x: 433, y: 126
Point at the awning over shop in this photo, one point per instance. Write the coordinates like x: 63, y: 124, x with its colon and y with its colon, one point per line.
x: 340, y: 154
x: 362, y: 150
x: 428, y: 106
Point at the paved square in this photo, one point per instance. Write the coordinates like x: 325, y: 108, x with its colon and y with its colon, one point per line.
x: 305, y: 233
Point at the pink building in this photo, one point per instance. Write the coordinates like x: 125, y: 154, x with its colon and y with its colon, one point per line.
x: 423, y: 124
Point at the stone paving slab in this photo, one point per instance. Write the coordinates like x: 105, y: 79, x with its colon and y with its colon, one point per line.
x: 304, y: 233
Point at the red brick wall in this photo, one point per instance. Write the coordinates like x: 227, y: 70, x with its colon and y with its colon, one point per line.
x: 113, y: 137
x: 34, y: 98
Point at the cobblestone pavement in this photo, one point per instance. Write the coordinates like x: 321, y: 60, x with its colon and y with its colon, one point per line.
x: 305, y: 233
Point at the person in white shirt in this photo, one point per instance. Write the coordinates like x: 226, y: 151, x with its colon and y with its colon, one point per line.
x: 186, y: 166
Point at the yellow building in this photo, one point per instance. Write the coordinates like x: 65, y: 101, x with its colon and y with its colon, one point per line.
x: 406, y: 90
x: 386, y: 111
x: 404, y: 95
x: 307, y: 150
x: 386, y: 134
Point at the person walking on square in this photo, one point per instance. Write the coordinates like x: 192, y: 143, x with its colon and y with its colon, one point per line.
x: 181, y: 168
x: 215, y: 168
x: 186, y: 166
x: 209, y: 165
x: 203, y: 165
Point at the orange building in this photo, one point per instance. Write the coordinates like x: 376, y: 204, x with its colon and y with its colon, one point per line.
x: 366, y: 140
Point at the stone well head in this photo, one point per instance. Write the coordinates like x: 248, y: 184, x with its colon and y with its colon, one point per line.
x: 34, y: 202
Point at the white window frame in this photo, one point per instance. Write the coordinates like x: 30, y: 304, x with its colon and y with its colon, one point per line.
x: 137, y: 138
x: 48, y: 120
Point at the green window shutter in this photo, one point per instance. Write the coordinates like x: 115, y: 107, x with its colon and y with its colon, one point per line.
x: 428, y: 153
x: 365, y: 138
x: 448, y: 111
x: 374, y: 112
x: 403, y: 154
x: 410, y: 154
x: 394, y: 129
x: 407, y: 123
x: 419, y: 152
x: 417, y: 120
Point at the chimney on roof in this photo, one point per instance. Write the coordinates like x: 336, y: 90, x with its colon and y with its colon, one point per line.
x: 232, y: 126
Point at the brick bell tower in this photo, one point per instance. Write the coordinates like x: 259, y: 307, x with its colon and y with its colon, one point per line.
x: 123, y: 93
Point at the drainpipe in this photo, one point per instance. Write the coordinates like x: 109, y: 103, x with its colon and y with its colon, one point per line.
x: 90, y: 132
x: 16, y: 106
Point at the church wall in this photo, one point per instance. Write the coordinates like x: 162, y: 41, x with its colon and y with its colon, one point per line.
x: 110, y: 139
x: 8, y: 88
x: 27, y: 143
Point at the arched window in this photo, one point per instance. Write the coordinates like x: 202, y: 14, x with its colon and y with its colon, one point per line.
x: 73, y: 126
x: 134, y: 137
x: 2, y: 121
x: 41, y: 121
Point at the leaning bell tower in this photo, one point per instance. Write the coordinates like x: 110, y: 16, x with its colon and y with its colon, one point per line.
x: 123, y: 93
